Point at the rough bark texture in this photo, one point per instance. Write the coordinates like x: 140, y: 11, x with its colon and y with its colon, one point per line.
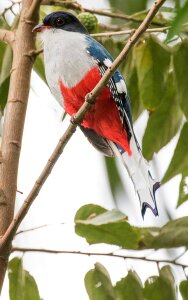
x: 23, y: 46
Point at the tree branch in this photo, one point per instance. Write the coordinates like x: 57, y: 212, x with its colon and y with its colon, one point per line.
x: 15, y: 113
x: 75, y: 5
x: 35, y: 228
x: 129, y: 31
x: 110, y: 254
x: 31, y: 229
x: 79, y: 7
x: 6, y: 9
x: 77, y: 119
x: 34, y: 8
x: 7, y: 36
x: 109, y: 27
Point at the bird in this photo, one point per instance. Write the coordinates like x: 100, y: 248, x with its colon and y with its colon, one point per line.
x: 74, y: 63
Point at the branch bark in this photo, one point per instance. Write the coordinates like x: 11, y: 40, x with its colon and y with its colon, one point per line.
x: 14, y: 122
x: 76, y: 6
x: 90, y: 99
x: 129, y: 31
x: 34, y: 8
x: 111, y: 254
x: 79, y: 7
x: 7, y: 36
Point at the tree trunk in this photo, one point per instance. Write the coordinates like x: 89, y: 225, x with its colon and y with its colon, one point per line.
x: 23, y: 47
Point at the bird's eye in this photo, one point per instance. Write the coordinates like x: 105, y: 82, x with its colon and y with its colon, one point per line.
x: 59, y: 22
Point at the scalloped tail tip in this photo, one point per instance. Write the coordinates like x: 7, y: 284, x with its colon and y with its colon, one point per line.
x: 146, y: 205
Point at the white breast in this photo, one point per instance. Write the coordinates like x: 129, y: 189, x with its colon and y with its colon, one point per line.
x: 65, y: 58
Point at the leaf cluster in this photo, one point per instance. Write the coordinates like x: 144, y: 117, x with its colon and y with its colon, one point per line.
x: 99, y: 286
x: 22, y: 285
x: 97, y: 225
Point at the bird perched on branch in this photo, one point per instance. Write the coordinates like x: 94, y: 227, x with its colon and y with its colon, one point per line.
x: 74, y: 64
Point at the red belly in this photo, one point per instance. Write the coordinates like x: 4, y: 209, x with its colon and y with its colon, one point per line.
x: 103, y: 117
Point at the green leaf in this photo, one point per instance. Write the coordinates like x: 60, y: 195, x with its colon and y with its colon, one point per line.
x: 183, y: 190
x: 179, y: 20
x: 167, y: 275
x: 180, y: 59
x: 179, y: 162
x: 89, y: 211
x: 133, y: 90
x: 109, y: 227
x: 6, y: 64
x: 48, y: 9
x: 173, y: 234
x: 166, y: 120
x: 184, y: 289
x: 129, y: 6
x: 149, y: 55
x: 98, y: 225
x: 2, y: 51
x: 167, y: 9
x: 39, y: 67
x: 129, y: 288
x: 5, y: 76
x: 3, y: 23
x: 4, y: 88
x: 158, y: 20
x: 130, y: 74
x: 160, y: 287
x: 22, y: 285
x: 6, y: 57
x: 98, y: 284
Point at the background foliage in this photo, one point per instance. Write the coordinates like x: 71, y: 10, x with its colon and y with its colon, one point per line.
x: 156, y: 73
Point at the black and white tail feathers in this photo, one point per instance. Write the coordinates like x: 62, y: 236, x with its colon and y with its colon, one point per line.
x: 138, y: 170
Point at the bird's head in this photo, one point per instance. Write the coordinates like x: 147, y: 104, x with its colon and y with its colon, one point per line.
x: 61, y: 20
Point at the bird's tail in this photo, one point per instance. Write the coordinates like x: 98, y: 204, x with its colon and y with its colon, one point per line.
x: 138, y: 169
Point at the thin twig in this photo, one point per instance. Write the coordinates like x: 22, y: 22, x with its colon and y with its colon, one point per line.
x: 7, y: 36
x: 79, y: 7
x: 35, y: 228
x: 34, y: 8
x: 181, y: 254
x: 31, y: 229
x: 77, y: 119
x: 39, y: 51
x: 6, y: 9
x: 110, y: 254
x: 101, y: 12
x: 109, y: 27
x: 75, y: 5
x: 184, y: 270
x: 129, y: 31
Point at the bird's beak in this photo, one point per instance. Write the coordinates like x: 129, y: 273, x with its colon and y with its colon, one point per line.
x: 40, y: 28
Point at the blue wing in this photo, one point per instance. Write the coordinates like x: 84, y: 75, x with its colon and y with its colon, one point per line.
x: 116, y: 84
